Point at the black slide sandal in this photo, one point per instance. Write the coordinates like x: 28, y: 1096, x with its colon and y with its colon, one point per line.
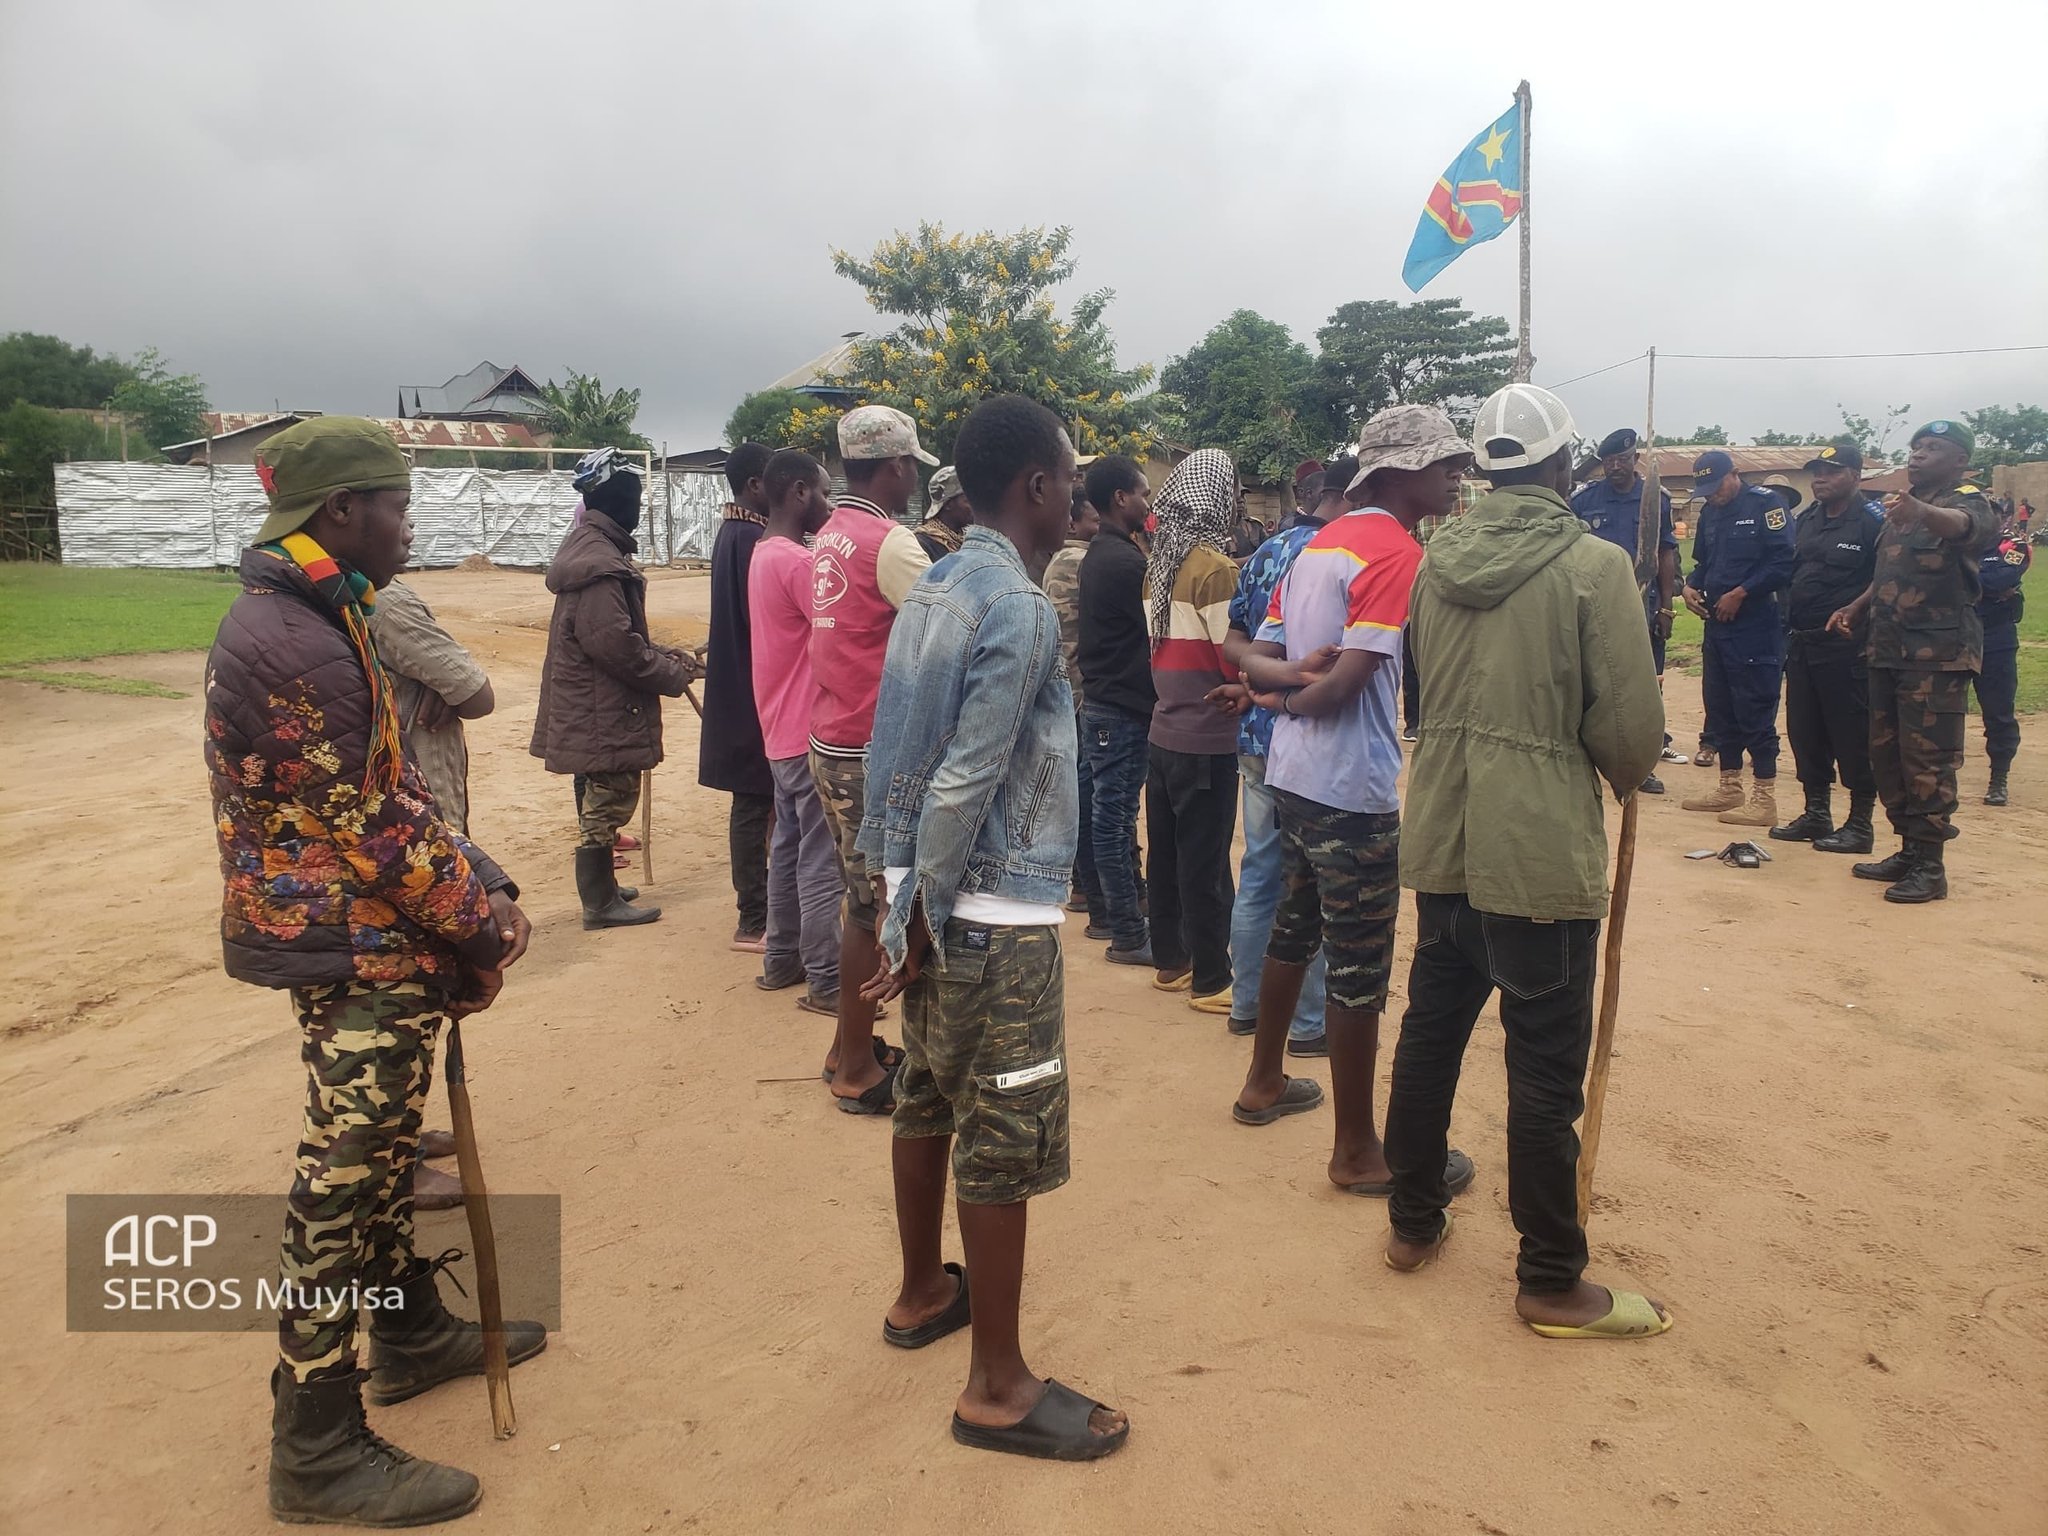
x: 958, y: 1314
x: 1055, y: 1430
x: 1458, y: 1176
x: 888, y: 1057
x: 1297, y: 1096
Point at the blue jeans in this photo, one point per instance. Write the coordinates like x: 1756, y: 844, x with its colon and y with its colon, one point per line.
x: 1118, y: 756
x: 1258, y: 897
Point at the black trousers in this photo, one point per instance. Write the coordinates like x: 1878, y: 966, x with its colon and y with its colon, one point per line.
x: 1411, y: 685
x: 1827, y: 713
x: 747, y: 847
x: 1190, y: 818
x: 1544, y: 972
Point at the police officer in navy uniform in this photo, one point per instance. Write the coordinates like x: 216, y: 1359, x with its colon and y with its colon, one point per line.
x: 1742, y: 560
x: 1611, y: 507
x: 2001, y: 572
x: 1827, y: 681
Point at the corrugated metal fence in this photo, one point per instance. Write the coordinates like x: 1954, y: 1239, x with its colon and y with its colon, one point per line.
x: 171, y: 515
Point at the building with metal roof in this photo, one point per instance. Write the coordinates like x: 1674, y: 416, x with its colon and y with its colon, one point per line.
x: 486, y: 393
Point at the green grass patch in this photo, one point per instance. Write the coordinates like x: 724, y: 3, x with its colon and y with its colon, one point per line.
x: 55, y: 613
x: 90, y: 682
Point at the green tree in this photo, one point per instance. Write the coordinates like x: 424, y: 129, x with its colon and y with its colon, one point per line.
x: 1775, y: 439
x: 764, y: 417
x: 166, y: 407
x: 2015, y: 436
x: 44, y: 370
x: 1870, y: 435
x: 978, y: 319
x: 1716, y: 436
x: 1379, y: 352
x: 1248, y: 387
x: 33, y: 440
x: 584, y: 414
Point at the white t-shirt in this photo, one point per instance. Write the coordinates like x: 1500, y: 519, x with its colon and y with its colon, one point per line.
x: 980, y: 907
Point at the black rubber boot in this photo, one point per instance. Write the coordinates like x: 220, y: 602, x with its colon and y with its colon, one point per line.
x: 1925, y: 881
x: 1817, y: 820
x: 1887, y: 870
x: 1996, y: 793
x: 423, y: 1344
x: 327, y: 1468
x: 1854, y: 835
x: 598, y: 886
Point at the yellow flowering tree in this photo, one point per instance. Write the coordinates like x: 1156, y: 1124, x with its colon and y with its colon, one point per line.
x: 978, y: 319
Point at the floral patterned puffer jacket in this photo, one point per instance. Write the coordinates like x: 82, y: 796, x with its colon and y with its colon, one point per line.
x: 325, y: 883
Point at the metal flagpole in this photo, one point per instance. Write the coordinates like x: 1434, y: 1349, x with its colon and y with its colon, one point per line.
x: 1525, y: 360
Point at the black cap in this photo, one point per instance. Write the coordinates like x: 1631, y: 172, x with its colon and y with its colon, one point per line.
x: 1620, y: 440
x: 1840, y: 454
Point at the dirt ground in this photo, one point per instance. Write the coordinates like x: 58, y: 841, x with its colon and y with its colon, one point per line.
x: 1826, y: 1149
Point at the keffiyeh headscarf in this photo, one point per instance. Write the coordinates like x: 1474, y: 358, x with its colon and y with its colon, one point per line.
x: 1196, y: 506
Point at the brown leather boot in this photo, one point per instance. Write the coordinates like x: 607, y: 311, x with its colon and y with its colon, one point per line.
x: 1726, y: 798
x: 1762, y: 810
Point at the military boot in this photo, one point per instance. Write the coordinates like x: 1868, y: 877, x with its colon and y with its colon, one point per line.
x: 1817, y: 820
x: 1855, y: 834
x: 422, y: 1344
x: 1925, y: 881
x: 1726, y: 798
x: 597, y: 885
x: 1996, y: 793
x: 1887, y: 870
x: 328, y: 1468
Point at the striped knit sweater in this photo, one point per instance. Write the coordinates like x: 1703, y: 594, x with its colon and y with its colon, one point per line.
x: 1189, y: 661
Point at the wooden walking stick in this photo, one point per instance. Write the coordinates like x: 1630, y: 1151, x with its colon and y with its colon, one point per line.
x: 1649, y: 534
x: 647, y: 825
x: 476, y: 1201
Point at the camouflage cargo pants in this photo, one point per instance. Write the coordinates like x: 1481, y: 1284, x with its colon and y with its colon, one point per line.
x: 606, y: 803
x: 984, y: 1060
x: 369, y: 1054
x: 1916, y: 746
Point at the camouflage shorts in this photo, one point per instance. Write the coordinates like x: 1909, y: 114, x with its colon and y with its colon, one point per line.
x: 369, y: 1054
x: 985, y: 1060
x: 842, y: 786
x: 1341, y: 892
x: 606, y: 804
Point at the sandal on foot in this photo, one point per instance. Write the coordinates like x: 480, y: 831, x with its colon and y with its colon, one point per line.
x: 779, y: 981
x: 1458, y: 1174
x: 878, y: 1100
x: 1629, y: 1316
x: 1056, y: 1429
x: 1296, y: 1095
x: 887, y: 1057
x: 1173, y: 981
x: 958, y: 1313
x: 1443, y: 1236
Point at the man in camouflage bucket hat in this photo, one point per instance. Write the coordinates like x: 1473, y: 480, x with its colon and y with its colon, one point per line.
x: 1926, y: 640
x: 1327, y: 662
x: 941, y: 532
x: 346, y: 886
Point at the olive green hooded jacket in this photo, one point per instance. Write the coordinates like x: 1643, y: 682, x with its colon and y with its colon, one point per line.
x: 1537, y: 683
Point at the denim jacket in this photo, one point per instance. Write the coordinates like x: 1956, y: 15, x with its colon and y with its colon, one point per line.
x: 971, y: 779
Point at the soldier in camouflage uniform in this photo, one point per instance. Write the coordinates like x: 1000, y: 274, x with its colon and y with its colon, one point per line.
x: 346, y: 886
x: 1926, y: 641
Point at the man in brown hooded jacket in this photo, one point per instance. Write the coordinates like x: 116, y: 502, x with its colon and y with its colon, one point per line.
x: 600, y: 688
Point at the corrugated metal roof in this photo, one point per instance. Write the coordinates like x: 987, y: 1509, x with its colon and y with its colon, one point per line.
x: 228, y: 423
x: 428, y: 432
x: 1677, y: 460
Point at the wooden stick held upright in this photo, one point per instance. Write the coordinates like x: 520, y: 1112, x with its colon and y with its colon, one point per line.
x: 647, y: 825
x: 476, y: 1203
x: 1649, y: 532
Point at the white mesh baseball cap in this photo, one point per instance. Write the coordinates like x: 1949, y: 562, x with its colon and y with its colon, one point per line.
x: 1533, y: 419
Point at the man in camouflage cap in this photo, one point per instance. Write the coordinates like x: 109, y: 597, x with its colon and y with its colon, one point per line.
x: 1926, y: 641
x: 940, y: 533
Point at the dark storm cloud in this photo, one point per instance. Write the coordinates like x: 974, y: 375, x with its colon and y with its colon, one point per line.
x: 315, y: 205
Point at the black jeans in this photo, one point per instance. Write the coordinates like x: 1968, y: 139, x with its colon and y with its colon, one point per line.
x: 1114, y: 741
x: 1190, y: 818
x: 1545, y: 975
x: 747, y: 846
x: 1827, y: 712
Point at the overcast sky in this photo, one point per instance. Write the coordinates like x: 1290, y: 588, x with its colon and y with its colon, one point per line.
x: 313, y: 205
